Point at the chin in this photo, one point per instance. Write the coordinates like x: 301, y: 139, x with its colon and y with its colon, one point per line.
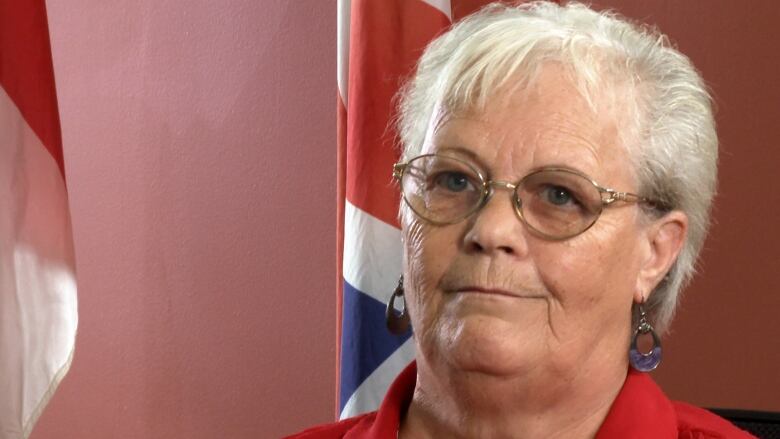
x: 490, y: 345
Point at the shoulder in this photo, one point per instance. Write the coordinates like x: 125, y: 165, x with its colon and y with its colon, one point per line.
x: 379, y: 424
x: 352, y: 427
x: 696, y: 423
x: 642, y: 410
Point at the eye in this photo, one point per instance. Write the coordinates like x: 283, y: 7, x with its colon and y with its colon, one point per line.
x: 453, y: 181
x: 558, y: 195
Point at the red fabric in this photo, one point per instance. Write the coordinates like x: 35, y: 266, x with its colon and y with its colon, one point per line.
x: 697, y: 423
x: 24, y: 46
x: 386, y: 39
x: 640, y: 411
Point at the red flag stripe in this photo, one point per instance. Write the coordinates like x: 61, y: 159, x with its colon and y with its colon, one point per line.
x: 25, y: 47
x: 386, y: 40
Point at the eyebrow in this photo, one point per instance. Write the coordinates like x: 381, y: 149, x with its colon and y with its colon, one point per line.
x: 460, y: 150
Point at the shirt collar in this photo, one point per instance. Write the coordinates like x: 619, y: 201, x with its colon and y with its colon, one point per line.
x: 640, y: 411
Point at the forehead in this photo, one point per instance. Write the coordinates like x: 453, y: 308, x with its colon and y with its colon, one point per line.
x: 548, y: 124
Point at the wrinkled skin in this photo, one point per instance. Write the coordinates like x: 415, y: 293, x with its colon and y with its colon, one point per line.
x: 498, y: 312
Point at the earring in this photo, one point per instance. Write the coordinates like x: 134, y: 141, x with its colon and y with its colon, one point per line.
x: 397, y: 323
x: 644, y: 361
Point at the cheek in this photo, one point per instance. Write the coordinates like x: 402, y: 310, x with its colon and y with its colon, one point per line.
x: 412, y: 257
x: 597, y: 267
x: 428, y: 250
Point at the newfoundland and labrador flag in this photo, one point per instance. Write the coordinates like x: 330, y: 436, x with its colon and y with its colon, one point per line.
x: 37, y: 270
x: 379, y: 42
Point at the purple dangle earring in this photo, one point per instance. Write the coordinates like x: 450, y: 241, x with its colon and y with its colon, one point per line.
x: 397, y: 323
x: 644, y: 361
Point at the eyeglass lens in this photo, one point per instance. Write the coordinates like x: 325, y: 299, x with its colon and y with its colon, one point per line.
x: 555, y: 203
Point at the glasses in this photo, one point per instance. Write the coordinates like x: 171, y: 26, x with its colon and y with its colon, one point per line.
x: 554, y: 203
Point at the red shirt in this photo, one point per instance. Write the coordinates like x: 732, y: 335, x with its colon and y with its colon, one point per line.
x: 640, y: 411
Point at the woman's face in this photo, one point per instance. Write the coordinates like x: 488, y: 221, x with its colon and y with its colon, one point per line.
x: 485, y: 294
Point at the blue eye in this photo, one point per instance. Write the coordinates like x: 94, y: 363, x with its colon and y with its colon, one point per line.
x: 558, y: 195
x: 453, y: 181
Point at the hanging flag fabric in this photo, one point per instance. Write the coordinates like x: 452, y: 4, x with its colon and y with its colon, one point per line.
x: 37, y: 271
x: 379, y: 44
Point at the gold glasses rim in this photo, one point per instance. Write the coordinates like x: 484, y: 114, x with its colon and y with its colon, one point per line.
x: 608, y: 195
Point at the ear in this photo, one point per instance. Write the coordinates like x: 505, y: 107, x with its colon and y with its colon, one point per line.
x: 665, y: 237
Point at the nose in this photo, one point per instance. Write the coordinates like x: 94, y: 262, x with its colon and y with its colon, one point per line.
x: 496, y: 227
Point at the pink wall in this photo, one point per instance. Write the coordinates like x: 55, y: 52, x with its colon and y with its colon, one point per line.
x: 200, y: 152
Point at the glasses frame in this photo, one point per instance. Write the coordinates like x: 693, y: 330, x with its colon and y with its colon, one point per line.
x: 608, y: 196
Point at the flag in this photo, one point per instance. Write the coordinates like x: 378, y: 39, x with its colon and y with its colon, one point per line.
x: 379, y: 43
x: 37, y: 269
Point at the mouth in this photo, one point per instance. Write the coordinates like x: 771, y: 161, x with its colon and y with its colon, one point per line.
x: 498, y: 292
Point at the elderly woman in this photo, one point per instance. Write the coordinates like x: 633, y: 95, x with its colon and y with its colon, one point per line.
x: 557, y: 176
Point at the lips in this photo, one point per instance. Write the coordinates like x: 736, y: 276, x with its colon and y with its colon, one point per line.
x: 495, y: 292
x: 490, y: 280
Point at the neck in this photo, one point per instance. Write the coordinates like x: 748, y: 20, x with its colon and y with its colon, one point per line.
x: 540, y: 403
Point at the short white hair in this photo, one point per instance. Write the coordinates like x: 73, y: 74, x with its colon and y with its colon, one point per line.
x: 673, y: 143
